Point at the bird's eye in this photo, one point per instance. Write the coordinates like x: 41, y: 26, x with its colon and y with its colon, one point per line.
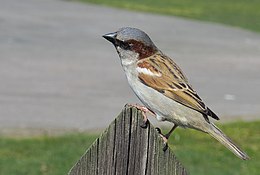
x: 124, y: 45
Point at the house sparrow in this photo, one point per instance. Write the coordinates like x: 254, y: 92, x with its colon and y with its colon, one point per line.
x: 162, y: 87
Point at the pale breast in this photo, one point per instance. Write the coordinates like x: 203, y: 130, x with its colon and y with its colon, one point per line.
x: 164, y: 107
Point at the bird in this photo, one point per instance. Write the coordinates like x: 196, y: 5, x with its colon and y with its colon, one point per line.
x: 162, y: 87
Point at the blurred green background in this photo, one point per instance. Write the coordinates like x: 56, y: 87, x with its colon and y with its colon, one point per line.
x: 199, y: 153
x: 240, y: 13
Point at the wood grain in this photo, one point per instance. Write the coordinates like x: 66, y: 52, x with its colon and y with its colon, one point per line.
x: 125, y: 148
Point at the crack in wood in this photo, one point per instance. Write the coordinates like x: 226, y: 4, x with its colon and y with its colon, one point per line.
x: 125, y: 148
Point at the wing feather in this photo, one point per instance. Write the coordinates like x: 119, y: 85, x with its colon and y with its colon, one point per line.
x: 172, y: 82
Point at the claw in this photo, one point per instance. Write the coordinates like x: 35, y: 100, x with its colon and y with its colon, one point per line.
x: 165, y: 147
x: 144, y: 124
x: 144, y: 111
x: 164, y: 138
x: 158, y: 130
x: 145, y: 120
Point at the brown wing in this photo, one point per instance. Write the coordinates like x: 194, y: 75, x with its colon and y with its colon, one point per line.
x: 171, y: 82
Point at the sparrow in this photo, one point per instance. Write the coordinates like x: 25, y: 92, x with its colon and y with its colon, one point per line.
x: 163, y: 88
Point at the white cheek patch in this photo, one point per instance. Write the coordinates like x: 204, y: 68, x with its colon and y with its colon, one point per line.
x: 127, y: 62
x: 148, y: 72
x: 127, y: 57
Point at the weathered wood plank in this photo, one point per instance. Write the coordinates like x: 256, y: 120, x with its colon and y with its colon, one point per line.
x: 125, y: 148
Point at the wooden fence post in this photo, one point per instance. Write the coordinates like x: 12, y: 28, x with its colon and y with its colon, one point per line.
x: 125, y: 148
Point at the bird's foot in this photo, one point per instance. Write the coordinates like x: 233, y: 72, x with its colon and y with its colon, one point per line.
x: 144, y: 111
x: 164, y: 138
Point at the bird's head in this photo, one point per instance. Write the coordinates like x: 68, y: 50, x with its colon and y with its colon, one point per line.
x: 131, y: 44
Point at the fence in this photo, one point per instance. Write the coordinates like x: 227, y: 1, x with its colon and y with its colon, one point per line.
x: 125, y: 148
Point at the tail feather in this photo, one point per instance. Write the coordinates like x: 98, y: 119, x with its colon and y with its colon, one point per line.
x: 227, y: 142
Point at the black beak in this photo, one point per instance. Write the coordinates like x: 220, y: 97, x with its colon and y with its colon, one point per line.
x: 111, y: 37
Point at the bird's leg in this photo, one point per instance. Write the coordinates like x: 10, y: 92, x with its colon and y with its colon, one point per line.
x: 170, y: 132
x: 144, y: 110
x: 166, y: 136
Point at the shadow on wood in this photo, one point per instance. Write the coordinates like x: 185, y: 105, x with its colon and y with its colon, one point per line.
x: 125, y: 148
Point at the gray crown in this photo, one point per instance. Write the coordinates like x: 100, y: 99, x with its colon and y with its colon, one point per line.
x: 128, y: 33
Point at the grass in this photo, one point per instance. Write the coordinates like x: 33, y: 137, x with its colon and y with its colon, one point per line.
x: 42, y: 155
x: 203, y: 155
x: 240, y: 13
x: 199, y: 153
